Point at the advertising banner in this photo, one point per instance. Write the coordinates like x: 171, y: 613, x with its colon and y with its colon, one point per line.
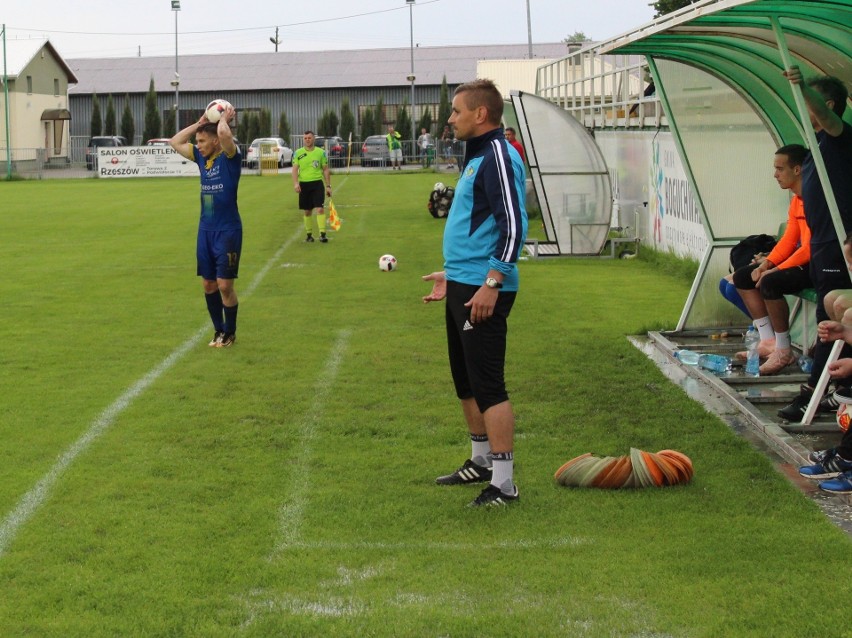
x: 143, y: 161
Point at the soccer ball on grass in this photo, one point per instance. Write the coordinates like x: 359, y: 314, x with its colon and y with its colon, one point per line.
x: 216, y: 109
x: 387, y: 263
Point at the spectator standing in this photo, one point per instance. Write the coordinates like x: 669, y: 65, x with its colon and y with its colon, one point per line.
x: 513, y: 140
x: 427, y: 148
x: 825, y: 98
x: 220, y: 228
x: 483, y: 237
x: 310, y: 172
x: 447, y: 146
x: 762, y: 285
x: 394, y: 147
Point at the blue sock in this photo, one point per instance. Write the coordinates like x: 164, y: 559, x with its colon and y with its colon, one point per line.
x: 215, y: 308
x: 230, y: 318
x: 729, y: 292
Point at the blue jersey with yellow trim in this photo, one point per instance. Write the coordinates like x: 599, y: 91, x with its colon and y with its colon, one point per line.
x: 487, y: 223
x: 220, y: 179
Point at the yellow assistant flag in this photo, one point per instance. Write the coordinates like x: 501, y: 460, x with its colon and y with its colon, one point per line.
x: 333, y: 218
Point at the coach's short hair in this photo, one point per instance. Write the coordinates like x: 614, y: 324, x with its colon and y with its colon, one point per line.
x: 831, y: 89
x: 483, y: 93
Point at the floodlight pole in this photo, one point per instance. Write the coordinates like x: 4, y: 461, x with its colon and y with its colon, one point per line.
x: 529, y: 31
x: 176, y: 81
x: 6, y: 109
x: 411, y: 77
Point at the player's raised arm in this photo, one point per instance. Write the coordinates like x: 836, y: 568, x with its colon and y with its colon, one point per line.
x: 224, y: 132
x: 180, y: 141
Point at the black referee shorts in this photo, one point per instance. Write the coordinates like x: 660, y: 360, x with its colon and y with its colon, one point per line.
x: 312, y: 195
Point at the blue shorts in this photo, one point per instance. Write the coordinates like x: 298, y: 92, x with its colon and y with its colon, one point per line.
x: 218, y: 253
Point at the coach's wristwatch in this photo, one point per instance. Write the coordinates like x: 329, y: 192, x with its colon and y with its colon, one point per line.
x: 493, y: 283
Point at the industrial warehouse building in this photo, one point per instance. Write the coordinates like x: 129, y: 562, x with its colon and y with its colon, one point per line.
x: 301, y: 84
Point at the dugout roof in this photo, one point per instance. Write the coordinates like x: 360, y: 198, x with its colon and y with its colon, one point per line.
x: 718, y: 65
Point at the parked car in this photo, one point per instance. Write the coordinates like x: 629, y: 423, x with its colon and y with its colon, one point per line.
x: 335, y: 149
x: 374, y: 151
x: 98, y: 141
x: 279, y: 148
x: 158, y: 141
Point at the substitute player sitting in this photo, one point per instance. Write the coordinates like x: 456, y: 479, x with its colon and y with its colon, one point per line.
x: 220, y: 229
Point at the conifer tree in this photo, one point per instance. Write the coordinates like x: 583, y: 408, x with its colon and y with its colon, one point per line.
x: 128, y: 129
x: 96, y: 125
x: 153, y: 124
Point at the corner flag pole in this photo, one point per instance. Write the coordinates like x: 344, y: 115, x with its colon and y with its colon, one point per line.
x: 6, y: 109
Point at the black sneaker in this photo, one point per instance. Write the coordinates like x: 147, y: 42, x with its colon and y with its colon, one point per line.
x: 470, y: 472
x: 818, y: 456
x: 309, y: 239
x: 493, y: 496
x: 216, y: 337
x: 796, y: 410
x: 227, y: 340
x: 323, y: 238
x: 830, y: 402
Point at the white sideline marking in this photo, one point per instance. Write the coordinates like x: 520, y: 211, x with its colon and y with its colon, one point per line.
x: 37, y: 495
x: 291, y: 513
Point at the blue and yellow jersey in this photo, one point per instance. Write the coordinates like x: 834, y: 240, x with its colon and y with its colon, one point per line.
x: 487, y: 224
x: 220, y: 179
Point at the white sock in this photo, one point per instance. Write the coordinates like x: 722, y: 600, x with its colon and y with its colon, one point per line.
x: 504, y: 469
x: 480, y: 450
x: 764, y: 328
x: 782, y: 340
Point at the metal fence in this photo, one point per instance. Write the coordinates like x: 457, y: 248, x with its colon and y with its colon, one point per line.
x: 41, y: 163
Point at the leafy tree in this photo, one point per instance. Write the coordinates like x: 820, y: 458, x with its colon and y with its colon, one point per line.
x: 128, y: 129
x: 96, y: 124
x: 403, y: 120
x: 253, y: 127
x: 243, y: 127
x: 347, y: 121
x: 109, y: 119
x: 284, y: 127
x: 265, y: 123
x: 169, y: 124
x: 425, y: 122
x: 328, y: 123
x: 445, y: 108
x: 153, y: 124
x: 368, y: 123
x: 578, y: 37
x: 379, y: 117
x: 662, y: 7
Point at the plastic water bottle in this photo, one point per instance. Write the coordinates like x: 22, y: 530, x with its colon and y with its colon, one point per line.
x: 752, y: 339
x: 806, y: 364
x: 715, y: 362
x: 687, y: 357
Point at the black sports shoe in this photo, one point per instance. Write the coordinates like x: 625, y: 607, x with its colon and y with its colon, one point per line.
x: 493, y: 496
x: 470, y: 472
x: 216, y: 337
x: 309, y: 238
x: 818, y: 456
x: 830, y: 402
x: 227, y: 340
x: 796, y: 410
x: 323, y: 238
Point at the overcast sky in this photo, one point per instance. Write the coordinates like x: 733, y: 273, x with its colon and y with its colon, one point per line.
x: 120, y: 28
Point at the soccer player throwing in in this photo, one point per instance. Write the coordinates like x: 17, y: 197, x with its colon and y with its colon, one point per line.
x: 483, y: 237
x: 220, y: 229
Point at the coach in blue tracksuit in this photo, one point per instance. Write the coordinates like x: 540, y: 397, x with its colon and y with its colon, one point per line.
x: 483, y: 238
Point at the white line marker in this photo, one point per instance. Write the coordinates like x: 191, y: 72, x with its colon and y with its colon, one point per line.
x: 33, y: 499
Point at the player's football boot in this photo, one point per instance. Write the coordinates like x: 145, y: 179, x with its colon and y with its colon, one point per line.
x: 227, y: 340
x: 470, y: 472
x: 493, y: 496
x: 214, y: 342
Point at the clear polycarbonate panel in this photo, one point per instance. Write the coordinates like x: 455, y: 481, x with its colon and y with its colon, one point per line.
x: 709, y: 308
x: 723, y: 140
x: 569, y: 174
x: 577, y: 211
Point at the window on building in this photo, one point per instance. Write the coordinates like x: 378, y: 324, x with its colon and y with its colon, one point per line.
x: 29, y: 85
x: 56, y: 86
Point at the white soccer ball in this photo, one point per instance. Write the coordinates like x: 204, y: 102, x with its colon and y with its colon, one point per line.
x: 216, y: 109
x: 387, y: 263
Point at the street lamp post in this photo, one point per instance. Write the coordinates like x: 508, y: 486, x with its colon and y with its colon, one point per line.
x: 176, y: 81
x: 411, y: 77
